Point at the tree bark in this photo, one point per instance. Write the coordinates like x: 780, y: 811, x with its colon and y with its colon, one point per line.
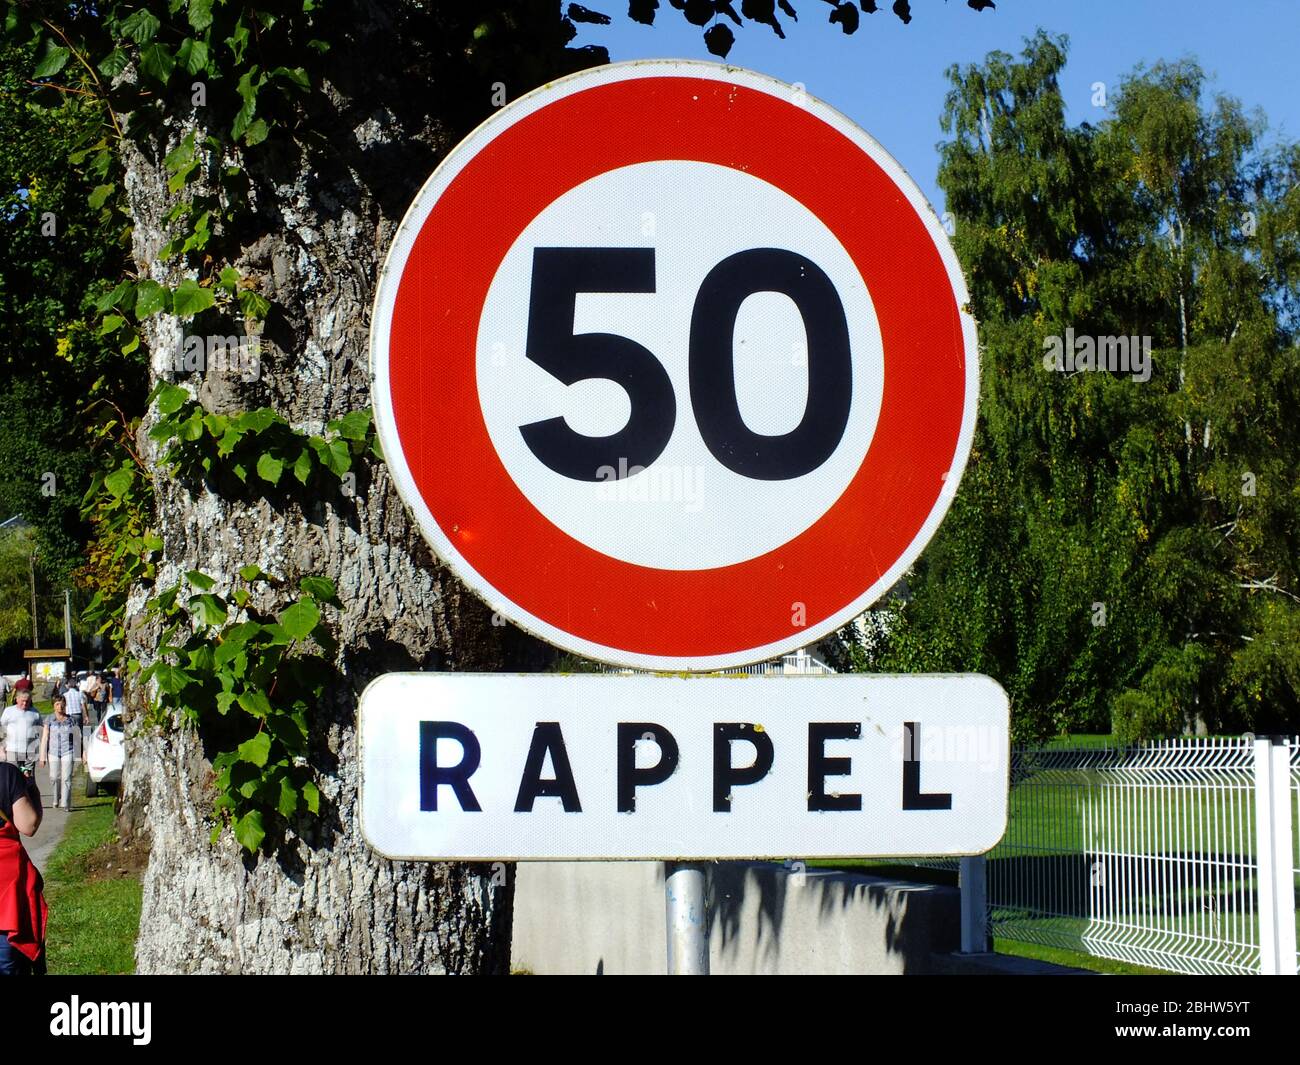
x: 323, y: 207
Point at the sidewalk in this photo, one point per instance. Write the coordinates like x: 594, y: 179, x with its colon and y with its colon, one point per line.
x: 54, y: 820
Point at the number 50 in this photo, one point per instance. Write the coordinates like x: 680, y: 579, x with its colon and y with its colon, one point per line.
x: 559, y: 274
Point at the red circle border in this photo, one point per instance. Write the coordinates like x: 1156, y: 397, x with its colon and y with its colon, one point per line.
x: 519, y: 552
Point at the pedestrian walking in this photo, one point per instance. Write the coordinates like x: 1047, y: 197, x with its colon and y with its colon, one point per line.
x: 60, y: 740
x: 22, y: 727
x: 99, y: 697
x: 76, y: 704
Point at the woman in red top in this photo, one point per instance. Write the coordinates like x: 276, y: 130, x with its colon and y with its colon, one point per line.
x: 22, y: 904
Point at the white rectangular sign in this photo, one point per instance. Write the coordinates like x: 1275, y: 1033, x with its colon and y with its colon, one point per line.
x: 522, y: 766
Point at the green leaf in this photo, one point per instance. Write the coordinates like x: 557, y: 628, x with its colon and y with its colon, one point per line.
x: 166, y: 599
x: 202, y: 660
x: 141, y: 26
x: 320, y: 588
x: 238, y: 41
x: 228, y: 278
x: 52, y: 62
x: 249, y: 84
x: 200, y: 581
x: 119, y: 482
x: 335, y: 455
x: 234, y: 639
x: 171, y: 399
x: 113, y: 297
x: 99, y: 195
x: 249, y: 831
x: 228, y: 440
x: 257, y: 421
x: 311, y: 794
x: 113, y: 64
x: 290, y: 730
x: 180, y: 156
x: 296, y: 75
x: 256, y: 750
x: 251, y: 572
x: 269, y: 468
x: 256, y: 132
x: 191, y: 428
x: 192, y: 55
x: 288, y: 801
x: 253, y: 304
x: 225, y: 654
x: 189, y: 299
x: 157, y: 61
x: 299, y: 620
x: 199, y: 13
x: 150, y: 298
x: 302, y: 465
x: 209, y: 609
x: 255, y: 703
x: 171, y: 679
x: 111, y: 324
x: 355, y: 425
x: 151, y: 541
x: 163, y: 429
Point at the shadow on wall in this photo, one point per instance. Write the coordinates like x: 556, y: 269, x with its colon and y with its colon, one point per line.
x: 609, y: 917
x: 773, y: 918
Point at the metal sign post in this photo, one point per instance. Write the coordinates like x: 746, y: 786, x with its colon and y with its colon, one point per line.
x: 686, y: 906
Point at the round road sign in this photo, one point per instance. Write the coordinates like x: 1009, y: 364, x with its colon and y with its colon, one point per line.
x: 673, y: 365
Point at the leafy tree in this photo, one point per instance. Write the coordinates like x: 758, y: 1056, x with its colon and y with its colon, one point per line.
x: 1121, y: 551
x: 62, y: 243
x: 16, y: 563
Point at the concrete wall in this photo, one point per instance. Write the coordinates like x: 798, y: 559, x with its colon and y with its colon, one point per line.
x: 608, y: 917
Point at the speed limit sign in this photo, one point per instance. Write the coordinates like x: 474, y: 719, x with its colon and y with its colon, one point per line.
x: 673, y: 365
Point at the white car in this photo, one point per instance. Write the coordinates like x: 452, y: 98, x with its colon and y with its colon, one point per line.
x: 105, y: 754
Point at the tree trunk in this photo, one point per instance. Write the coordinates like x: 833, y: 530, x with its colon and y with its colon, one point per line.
x: 324, y: 205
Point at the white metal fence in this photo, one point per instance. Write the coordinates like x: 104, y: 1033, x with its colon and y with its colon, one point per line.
x: 1179, y: 855
x: 1295, y: 832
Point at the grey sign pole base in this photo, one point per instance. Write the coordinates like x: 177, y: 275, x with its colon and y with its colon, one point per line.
x: 688, y: 919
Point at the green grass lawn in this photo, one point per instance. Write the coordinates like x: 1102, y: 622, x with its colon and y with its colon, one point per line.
x: 1073, y: 959
x: 94, y: 914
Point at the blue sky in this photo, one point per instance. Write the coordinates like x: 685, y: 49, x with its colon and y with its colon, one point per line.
x: 890, y: 78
